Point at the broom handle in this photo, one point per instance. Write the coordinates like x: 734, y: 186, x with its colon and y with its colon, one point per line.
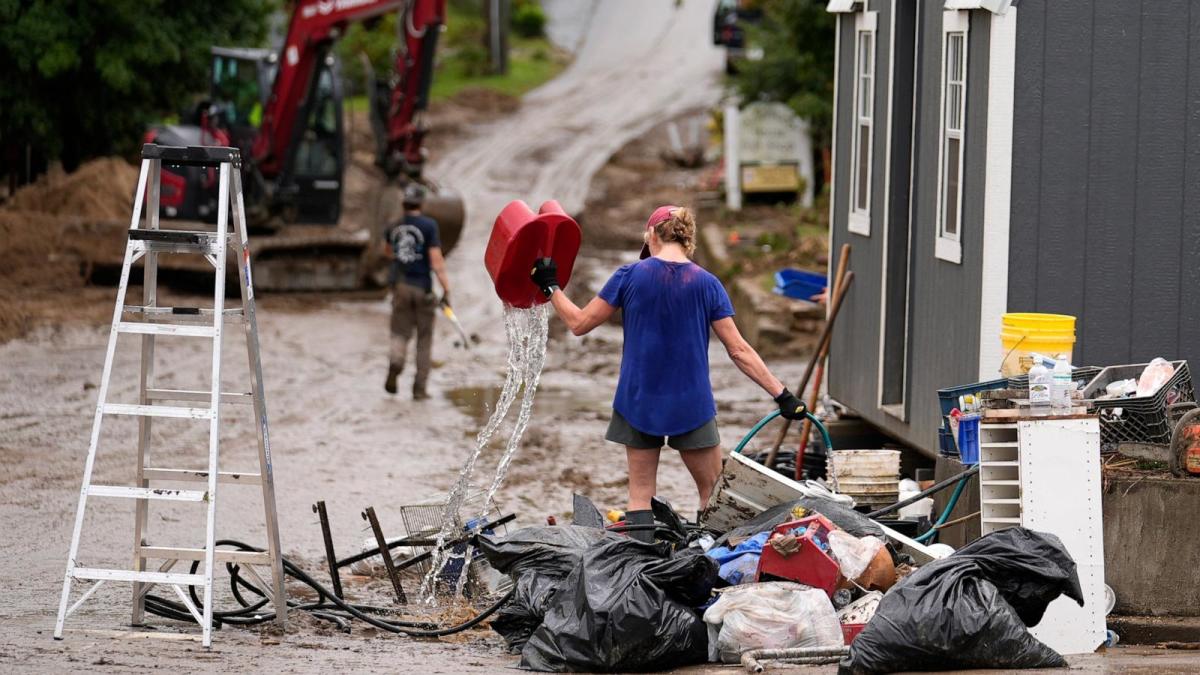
x: 826, y: 334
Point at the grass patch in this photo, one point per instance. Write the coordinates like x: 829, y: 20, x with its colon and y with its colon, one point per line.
x: 531, y: 63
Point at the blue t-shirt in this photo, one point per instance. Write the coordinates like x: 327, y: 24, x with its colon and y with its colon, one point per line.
x: 667, y: 309
x: 411, y: 239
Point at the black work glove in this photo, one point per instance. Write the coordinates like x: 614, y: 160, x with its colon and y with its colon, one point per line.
x: 545, y: 275
x: 790, y: 406
x: 445, y: 301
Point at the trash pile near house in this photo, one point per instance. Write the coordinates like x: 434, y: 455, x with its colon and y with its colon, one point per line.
x: 1141, y: 408
x: 807, y: 580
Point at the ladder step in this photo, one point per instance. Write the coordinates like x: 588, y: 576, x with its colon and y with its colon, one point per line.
x: 192, y: 155
x: 147, y: 493
x: 101, y: 574
x: 157, y: 411
x: 165, y: 329
x: 232, y: 398
x: 172, y: 553
x: 198, y: 476
x: 184, y: 314
x: 175, y: 241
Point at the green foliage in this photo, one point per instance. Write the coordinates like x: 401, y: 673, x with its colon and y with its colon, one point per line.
x: 83, y: 78
x: 528, y: 19
x: 797, y: 39
x: 377, y: 41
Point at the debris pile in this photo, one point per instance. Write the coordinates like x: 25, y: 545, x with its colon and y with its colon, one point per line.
x: 807, y: 581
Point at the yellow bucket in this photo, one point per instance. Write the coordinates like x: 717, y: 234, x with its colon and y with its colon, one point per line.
x: 1023, y: 334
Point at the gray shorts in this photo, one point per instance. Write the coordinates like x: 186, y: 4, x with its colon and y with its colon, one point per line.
x: 620, y: 431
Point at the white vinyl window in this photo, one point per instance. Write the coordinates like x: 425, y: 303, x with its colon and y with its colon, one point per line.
x: 864, y: 124
x: 952, y: 136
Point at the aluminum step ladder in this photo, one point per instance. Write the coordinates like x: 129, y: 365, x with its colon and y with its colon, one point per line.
x: 150, y: 320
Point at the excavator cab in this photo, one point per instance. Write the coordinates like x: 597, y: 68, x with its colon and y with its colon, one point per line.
x: 309, y: 191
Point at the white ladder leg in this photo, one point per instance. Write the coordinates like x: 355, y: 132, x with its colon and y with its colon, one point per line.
x: 214, y: 435
x: 246, y: 282
x: 145, y: 382
x: 101, y: 395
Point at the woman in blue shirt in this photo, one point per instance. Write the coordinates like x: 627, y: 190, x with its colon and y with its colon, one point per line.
x: 664, y: 394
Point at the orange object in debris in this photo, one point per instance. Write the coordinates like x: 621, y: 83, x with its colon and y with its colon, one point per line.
x: 519, y: 237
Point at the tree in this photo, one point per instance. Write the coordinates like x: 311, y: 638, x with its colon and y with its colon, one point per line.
x: 83, y: 78
x: 797, y: 41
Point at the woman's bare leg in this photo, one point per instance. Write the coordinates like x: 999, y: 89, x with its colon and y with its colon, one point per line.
x: 705, y: 466
x: 643, y: 476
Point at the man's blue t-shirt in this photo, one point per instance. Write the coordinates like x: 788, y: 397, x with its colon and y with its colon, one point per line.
x: 411, y: 239
x: 667, y: 309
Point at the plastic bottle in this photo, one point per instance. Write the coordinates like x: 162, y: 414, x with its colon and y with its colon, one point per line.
x: 1040, y: 382
x: 1060, y: 392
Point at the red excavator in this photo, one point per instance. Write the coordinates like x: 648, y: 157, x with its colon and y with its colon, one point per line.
x: 284, y: 112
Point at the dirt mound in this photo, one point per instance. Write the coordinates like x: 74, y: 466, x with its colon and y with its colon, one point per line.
x: 51, y: 231
x: 100, y: 189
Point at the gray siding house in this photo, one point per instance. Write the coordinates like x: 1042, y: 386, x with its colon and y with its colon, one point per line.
x: 1033, y: 156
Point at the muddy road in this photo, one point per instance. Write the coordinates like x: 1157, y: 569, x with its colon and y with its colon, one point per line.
x: 335, y: 434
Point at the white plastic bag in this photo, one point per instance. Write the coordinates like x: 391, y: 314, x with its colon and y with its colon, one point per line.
x: 1155, y: 375
x: 770, y: 615
x: 853, y: 554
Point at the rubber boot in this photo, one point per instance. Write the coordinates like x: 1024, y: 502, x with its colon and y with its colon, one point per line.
x: 641, y: 518
x: 419, y: 393
x: 389, y: 385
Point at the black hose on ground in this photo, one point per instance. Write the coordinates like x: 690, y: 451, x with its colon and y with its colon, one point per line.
x: 924, y: 493
x: 327, y: 607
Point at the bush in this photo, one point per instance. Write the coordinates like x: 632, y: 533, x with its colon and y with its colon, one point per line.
x: 528, y: 19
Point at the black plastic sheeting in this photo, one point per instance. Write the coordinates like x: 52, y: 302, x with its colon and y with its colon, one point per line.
x: 623, y: 606
x: 971, y: 609
x: 839, y: 514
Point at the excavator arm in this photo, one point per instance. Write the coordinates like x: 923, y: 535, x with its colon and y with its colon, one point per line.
x: 314, y: 26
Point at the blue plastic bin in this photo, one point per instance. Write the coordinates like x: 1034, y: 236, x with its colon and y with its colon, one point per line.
x: 794, y: 283
x: 968, y: 440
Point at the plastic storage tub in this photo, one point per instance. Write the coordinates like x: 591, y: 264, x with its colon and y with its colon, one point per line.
x: 799, y: 284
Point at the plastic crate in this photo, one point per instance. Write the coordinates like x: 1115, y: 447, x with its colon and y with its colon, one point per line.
x: 968, y: 439
x: 950, y: 396
x: 946, y: 446
x: 1138, y: 419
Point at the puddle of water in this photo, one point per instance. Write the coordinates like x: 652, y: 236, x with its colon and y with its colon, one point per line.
x: 479, y: 402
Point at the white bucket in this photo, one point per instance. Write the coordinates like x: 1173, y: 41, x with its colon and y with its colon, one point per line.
x: 873, y: 475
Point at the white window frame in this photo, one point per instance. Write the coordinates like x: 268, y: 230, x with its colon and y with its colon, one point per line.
x: 865, y: 24
x: 948, y: 245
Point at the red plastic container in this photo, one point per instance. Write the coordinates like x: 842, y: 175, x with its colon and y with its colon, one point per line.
x: 810, y: 565
x: 851, y: 631
x: 519, y: 238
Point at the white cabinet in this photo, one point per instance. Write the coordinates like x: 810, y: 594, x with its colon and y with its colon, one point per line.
x: 1044, y: 474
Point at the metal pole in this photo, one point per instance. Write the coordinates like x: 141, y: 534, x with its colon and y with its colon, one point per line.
x: 369, y: 515
x: 330, y: 558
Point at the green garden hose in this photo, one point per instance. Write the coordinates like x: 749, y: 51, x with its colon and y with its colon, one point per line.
x: 775, y: 413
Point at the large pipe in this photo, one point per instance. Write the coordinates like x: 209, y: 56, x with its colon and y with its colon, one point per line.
x: 798, y: 655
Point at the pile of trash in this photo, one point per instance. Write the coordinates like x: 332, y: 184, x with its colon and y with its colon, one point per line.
x: 810, y: 581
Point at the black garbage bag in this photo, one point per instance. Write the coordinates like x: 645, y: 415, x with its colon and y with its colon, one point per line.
x: 971, y: 609
x: 537, y: 559
x: 627, y: 606
x: 839, y: 514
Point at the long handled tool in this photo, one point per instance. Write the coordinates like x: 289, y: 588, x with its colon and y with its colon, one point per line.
x: 806, y: 429
x: 457, y: 325
x: 826, y: 334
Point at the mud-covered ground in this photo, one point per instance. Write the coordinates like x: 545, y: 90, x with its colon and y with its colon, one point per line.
x: 335, y: 435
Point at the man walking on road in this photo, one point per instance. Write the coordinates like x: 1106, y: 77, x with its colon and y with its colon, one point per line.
x: 416, y: 251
